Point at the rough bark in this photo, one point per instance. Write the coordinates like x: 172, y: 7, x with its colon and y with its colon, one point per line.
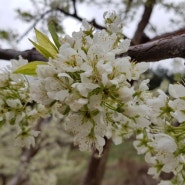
x: 30, y: 55
x: 159, y: 49
x: 96, y: 168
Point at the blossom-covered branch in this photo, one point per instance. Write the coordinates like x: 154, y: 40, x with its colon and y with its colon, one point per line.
x: 91, y: 84
x: 149, y: 52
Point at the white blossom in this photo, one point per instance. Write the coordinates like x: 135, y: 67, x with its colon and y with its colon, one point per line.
x: 167, y: 182
x: 88, y: 85
x: 164, y: 143
x: 99, y: 95
x: 178, y: 107
x: 26, y: 138
x: 177, y: 90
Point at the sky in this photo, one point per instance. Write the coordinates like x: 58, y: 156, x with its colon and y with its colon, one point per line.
x: 9, y: 18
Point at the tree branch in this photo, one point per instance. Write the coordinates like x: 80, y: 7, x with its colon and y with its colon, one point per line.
x: 149, y: 52
x: 33, y: 25
x: 75, y: 16
x: 158, y: 50
x: 145, y: 38
x: 169, y: 34
x: 30, y: 55
x: 74, y: 6
x: 143, y: 22
x: 96, y: 168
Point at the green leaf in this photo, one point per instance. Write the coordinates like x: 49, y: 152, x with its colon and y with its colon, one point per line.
x: 30, y: 68
x: 44, y: 42
x: 42, y: 50
x: 4, y: 34
x: 26, y: 16
x: 53, y: 32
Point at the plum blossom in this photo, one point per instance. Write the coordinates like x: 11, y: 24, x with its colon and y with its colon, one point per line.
x: 98, y: 94
x: 164, y: 143
x: 16, y: 106
x: 26, y: 137
x: 177, y: 104
x: 178, y: 111
x: 177, y: 90
x: 93, y: 85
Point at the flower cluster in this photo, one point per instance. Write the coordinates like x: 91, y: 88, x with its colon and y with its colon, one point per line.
x: 48, y: 164
x: 163, y: 142
x: 99, y: 95
x: 16, y: 107
x: 91, y: 85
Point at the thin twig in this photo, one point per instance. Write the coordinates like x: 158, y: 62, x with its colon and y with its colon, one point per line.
x: 170, y: 34
x: 74, y: 7
x: 33, y: 25
x: 73, y: 15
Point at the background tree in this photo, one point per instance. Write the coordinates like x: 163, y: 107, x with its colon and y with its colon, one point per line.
x: 149, y: 42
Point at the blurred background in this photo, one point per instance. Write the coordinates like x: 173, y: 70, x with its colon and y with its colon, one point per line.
x: 55, y: 160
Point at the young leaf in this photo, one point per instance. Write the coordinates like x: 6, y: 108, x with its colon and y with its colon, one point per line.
x: 30, y: 68
x: 52, y: 30
x: 42, y: 50
x: 44, y: 41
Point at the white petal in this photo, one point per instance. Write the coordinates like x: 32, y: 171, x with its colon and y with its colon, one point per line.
x: 177, y: 90
x: 164, y: 142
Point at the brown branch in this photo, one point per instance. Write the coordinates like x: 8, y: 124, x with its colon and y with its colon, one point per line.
x: 96, y: 168
x: 137, y: 39
x: 75, y: 16
x: 145, y: 38
x: 158, y: 50
x: 151, y: 51
x: 170, y: 34
x: 30, y: 55
x: 74, y: 6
